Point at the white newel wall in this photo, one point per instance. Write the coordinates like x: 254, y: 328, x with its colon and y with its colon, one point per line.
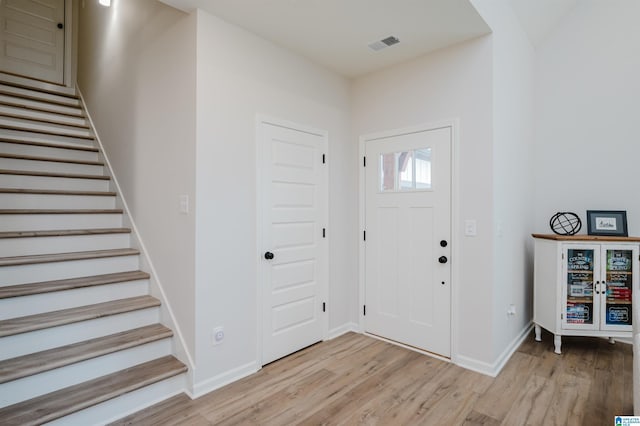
x: 145, y: 120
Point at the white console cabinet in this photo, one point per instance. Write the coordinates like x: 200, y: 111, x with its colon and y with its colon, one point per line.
x: 583, y: 285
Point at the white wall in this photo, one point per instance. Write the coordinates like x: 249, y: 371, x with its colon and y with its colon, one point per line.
x: 587, y: 109
x: 453, y: 83
x: 136, y: 70
x: 513, y: 174
x: 240, y: 75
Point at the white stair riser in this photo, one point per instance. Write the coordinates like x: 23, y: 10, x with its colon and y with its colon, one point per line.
x: 39, y: 303
x: 45, y: 151
x: 46, y: 182
x: 41, y: 340
x: 41, y: 222
x: 43, y: 127
x: 63, y: 244
x: 55, y: 201
x: 49, y: 166
x: 39, y: 137
x: 39, y: 95
x: 37, y: 85
x: 50, y: 381
x: 41, y: 115
x: 23, y: 274
x: 124, y: 405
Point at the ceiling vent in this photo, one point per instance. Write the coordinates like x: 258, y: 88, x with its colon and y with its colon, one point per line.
x: 384, y: 43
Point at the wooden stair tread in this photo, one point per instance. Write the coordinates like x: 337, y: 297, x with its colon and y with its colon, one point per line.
x: 51, y: 159
x: 38, y: 99
x: 55, y: 192
x: 63, y: 257
x: 54, y: 175
x: 61, y: 211
x: 35, y: 88
x: 44, y: 121
x: 70, y: 284
x: 60, y: 403
x: 49, y: 144
x: 63, y: 232
x: 28, y: 323
x: 45, y: 132
x: 28, y: 365
x: 41, y: 109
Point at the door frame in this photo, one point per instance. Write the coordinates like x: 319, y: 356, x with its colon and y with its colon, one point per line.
x: 453, y: 124
x: 69, y: 52
x: 324, y: 201
x: 71, y: 13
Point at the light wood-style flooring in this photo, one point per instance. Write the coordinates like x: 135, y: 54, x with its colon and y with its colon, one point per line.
x: 355, y: 379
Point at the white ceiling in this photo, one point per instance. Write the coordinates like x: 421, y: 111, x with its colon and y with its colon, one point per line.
x: 335, y: 33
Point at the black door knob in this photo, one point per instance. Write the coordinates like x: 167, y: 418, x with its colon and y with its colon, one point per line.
x: 60, y: 25
x: 268, y: 255
x: 442, y: 259
x: 443, y: 243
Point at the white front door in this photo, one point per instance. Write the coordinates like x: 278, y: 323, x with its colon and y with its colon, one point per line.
x: 294, y: 245
x: 32, y: 38
x: 408, y: 239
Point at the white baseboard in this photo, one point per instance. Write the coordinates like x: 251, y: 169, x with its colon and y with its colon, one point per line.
x: 343, y: 329
x: 216, y: 382
x: 494, y: 368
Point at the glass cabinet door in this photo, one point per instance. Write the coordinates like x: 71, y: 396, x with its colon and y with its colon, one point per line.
x: 581, y: 269
x: 616, y: 305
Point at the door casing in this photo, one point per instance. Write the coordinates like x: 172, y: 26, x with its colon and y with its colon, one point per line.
x: 455, y: 229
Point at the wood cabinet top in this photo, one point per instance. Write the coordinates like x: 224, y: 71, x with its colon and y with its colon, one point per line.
x: 585, y: 238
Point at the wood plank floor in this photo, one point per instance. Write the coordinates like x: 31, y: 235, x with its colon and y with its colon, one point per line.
x: 355, y: 379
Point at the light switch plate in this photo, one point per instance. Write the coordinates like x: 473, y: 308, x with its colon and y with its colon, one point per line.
x: 184, y: 204
x: 470, y: 229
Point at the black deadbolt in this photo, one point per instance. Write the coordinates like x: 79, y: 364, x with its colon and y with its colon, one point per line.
x: 268, y: 255
x: 442, y: 259
x: 443, y: 243
x: 60, y: 25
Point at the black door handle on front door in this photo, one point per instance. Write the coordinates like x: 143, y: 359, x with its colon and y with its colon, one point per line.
x: 60, y: 25
x: 442, y: 259
x: 268, y: 255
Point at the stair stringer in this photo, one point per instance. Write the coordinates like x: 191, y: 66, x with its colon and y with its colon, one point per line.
x: 167, y: 317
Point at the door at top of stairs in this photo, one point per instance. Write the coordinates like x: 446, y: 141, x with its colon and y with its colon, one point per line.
x: 32, y: 38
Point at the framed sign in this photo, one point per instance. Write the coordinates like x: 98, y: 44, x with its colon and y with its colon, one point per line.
x: 611, y: 223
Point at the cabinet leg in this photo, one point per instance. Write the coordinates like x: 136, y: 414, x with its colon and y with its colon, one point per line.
x: 538, y: 331
x: 612, y: 340
x: 557, y: 342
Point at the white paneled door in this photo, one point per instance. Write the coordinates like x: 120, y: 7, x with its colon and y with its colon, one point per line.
x: 294, y: 245
x: 408, y: 239
x: 32, y: 38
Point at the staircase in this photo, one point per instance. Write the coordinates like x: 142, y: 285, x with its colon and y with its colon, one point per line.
x: 80, y: 338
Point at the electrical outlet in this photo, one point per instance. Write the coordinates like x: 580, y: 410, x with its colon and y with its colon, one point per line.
x: 217, y: 336
x: 511, y: 311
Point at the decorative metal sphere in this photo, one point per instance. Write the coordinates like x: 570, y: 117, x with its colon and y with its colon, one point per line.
x: 565, y: 223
